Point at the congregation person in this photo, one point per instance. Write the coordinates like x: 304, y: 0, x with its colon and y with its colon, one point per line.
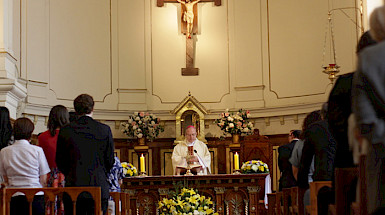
x: 115, y: 179
x: 296, y: 155
x: 5, y: 130
x: 5, y: 127
x: 287, y: 179
x: 368, y: 96
x: 201, y: 152
x: 85, y: 154
x: 339, y: 110
x: 319, y: 145
x: 24, y: 165
x: 342, y: 121
x: 58, y: 117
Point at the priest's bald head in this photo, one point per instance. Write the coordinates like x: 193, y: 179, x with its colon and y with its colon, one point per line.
x: 190, y: 134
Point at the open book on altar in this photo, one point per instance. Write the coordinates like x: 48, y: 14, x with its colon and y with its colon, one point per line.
x: 194, y: 168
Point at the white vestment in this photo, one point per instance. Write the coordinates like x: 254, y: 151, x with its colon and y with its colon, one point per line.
x: 180, y: 153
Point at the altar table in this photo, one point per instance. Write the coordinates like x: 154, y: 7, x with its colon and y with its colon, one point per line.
x: 232, y: 194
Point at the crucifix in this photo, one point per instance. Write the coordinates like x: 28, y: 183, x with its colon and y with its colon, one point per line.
x: 189, y: 27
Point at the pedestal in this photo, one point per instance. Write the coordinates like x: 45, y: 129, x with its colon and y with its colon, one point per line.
x: 142, y: 141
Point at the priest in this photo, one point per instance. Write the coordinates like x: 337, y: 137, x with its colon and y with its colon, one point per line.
x: 201, y: 154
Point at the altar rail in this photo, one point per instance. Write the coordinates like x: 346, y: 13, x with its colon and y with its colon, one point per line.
x: 232, y: 194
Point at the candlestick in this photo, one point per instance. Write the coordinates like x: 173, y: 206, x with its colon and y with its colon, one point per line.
x: 142, y: 164
x: 236, y: 161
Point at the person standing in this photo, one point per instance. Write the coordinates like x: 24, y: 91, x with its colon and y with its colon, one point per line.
x: 5, y: 127
x: 115, y: 179
x: 319, y: 147
x: 201, y: 152
x: 85, y: 154
x: 368, y: 95
x: 58, y: 117
x: 24, y: 165
x: 287, y: 179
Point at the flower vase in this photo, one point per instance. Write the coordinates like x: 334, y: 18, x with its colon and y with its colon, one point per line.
x: 235, y: 138
x: 142, y: 141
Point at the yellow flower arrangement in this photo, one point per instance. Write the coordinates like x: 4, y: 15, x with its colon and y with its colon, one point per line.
x: 188, y: 201
x: 254, y: 166
x: 129, y: 169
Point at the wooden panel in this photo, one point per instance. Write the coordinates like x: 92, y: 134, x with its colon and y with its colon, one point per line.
x: 231, y: 193
x: 80, y: 48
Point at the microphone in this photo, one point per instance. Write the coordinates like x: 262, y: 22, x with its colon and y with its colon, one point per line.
x: 208, y: 170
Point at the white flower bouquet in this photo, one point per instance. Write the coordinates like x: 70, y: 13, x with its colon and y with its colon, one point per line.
x: 254, y: 166
x: 142, y: 125
x: 235, y: 122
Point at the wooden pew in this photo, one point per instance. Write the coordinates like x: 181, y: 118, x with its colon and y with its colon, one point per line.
x: 360, y: 206
x: 315, y: 186
x: 50, y: 193
x: 285, y: 200
x: 294, y: 200
x: 297, y: 205
x: 278, y: 200
x: 122, y: 199
x: 344, y: 185
x: 271, y: 199
x: 125, y: 197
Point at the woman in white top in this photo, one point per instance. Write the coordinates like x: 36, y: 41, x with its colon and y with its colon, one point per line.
x: 24, y: 165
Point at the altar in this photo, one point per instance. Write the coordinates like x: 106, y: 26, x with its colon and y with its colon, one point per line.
x: 231, y: 194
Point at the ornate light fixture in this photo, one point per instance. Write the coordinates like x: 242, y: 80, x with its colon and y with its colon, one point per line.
x: 332, y: 69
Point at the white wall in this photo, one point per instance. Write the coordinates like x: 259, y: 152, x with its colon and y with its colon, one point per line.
x: 265, y: 56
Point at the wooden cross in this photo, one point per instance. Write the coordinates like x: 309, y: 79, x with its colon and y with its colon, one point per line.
x: 189, y: 70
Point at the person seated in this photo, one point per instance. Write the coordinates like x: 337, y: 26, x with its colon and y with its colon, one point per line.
x: 24, y: 165
x: 200, y: 154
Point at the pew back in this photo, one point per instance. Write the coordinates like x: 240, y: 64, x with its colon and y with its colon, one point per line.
x: 50, y: 194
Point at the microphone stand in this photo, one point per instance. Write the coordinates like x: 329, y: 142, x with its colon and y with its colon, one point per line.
x: 208, y: 170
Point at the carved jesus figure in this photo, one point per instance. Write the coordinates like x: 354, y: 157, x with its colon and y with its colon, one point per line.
x: 188, y: 15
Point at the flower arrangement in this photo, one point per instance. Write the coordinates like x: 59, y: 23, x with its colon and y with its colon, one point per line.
x: 129, y: 169
x: 188, y: 201
x: 235, y: 122
x: 254, y: 166
x: 142, y: 125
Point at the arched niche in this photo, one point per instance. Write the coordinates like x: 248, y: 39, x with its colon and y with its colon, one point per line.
x: 190, y: 112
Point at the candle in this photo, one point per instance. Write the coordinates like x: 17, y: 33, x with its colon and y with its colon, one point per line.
x: 236, y: 161
x: 142, y: 164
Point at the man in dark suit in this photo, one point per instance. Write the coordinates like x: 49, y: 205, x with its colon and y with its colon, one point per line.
x: 287, y: 179
x: 339, y: 110
x: 85, y: 153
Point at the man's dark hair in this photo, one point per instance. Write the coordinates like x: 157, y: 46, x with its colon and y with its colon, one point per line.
x: 23, y: 128
x: 296, y: 133
x: 84, y: 104
x: 58, y: 117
